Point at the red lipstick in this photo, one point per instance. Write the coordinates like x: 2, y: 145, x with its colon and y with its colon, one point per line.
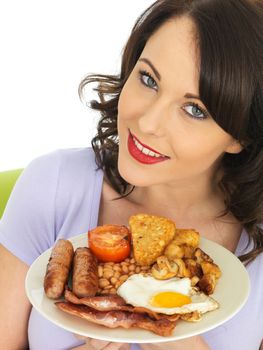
x: 141, y: 157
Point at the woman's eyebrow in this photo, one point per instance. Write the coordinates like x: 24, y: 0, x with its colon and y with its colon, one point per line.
x: 189, y: 95
x: 146, y: 60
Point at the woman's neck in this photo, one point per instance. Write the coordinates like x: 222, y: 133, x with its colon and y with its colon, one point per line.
x: 184, y: 201
x: 186, y: 207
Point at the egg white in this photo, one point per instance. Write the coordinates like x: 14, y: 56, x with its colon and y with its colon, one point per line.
x: 138, y: 290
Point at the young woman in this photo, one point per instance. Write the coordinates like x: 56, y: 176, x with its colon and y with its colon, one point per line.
x: 180, y: 136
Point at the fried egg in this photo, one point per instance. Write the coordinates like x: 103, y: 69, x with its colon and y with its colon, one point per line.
x: 172, y: 296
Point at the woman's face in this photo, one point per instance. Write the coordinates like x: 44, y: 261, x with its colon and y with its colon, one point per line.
x: 156, y: 109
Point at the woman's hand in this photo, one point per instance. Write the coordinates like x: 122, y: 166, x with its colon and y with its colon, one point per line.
x: 94, y: 344
x: 196, y: 343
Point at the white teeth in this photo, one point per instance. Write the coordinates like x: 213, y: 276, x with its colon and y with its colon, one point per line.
x: 146, y: 150
x: 151, y: 153
x: 138, y: 145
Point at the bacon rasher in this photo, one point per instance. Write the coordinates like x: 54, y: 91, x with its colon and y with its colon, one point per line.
x: 114, y: 319
x: 101, y: 302
x: 114, y: 302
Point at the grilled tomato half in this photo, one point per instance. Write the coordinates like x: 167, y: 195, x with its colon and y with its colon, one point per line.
x: 110, y: 243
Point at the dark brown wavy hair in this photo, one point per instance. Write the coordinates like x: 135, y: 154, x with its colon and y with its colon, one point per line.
x: 230, y: 40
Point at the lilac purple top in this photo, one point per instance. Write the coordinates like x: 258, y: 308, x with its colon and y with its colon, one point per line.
x: 57, y: 196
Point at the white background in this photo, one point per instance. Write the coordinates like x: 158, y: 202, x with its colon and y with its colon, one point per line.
x: 47, y: 47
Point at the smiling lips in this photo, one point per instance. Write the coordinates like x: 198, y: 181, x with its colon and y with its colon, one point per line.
x: 142, y: 153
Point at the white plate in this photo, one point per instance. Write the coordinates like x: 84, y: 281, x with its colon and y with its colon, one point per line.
x: 231, y: 292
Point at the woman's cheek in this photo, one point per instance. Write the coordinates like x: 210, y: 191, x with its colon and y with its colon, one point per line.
x: 131, y: 101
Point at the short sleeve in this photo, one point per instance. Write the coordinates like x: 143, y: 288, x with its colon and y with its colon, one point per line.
x: 27, y: 227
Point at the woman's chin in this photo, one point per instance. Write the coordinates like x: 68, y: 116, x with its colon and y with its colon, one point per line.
x: 135, y: 178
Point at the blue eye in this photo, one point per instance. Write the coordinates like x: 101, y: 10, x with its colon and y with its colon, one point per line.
x: 147, y: 79
x: 192, y: 109
x: 195, y: 111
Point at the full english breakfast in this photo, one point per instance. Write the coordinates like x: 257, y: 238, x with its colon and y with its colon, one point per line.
x: 148, y: 275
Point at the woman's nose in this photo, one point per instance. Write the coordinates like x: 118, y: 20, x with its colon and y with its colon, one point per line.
x: 154, y: 119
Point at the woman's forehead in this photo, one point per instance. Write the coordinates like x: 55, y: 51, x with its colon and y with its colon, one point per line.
x: 175, y: 33
x: 172, y: 49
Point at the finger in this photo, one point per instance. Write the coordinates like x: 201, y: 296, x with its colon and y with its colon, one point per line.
x: 98, y: 344
x: 90, y: 343
x: 125, y: 347
x: 147, y: 346
x: 81, y: 347
x: 94, y: 344
x: 116, y: 346
x: 80, y: 337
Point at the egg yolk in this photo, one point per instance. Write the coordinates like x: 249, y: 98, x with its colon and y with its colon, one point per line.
x: 169, y: 299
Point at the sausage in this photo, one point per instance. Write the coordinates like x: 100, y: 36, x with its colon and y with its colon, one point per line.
x: 58, y: 268
x: 85, y: 279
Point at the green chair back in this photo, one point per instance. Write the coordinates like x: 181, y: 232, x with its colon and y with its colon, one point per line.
x: 7, y: 181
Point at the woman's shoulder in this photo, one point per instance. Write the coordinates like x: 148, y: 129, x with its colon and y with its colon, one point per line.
x: 69, y: 164
x: 67, y: 157
x: 57, y: 193
x: 74, y: 179
x: 76, y: 162
x: 255, y: 267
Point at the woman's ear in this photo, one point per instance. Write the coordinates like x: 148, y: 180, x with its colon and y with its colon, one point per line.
x: 234, y: 147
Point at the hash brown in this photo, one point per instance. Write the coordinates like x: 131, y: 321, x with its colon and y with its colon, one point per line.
x: 150, y: 236
x: 189, y: 237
